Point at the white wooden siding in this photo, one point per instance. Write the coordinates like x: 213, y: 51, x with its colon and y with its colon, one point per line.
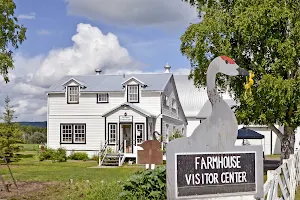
x: 149, y: 101
x: 94, y: 132
x: 192, y: 125
x: 171, y: 93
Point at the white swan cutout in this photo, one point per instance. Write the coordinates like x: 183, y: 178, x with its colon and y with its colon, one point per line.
x: 219, y: 131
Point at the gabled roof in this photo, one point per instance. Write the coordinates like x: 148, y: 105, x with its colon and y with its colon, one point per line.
x: 73, y: 79
x: 132, y: 106
x: 133, y: 78
x: 112, y: 83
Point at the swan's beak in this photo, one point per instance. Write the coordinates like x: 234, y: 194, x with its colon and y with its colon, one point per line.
x: 242, y: 72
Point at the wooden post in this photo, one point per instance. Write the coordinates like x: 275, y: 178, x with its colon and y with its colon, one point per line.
x: 4, y: 185
x: 11, y: 173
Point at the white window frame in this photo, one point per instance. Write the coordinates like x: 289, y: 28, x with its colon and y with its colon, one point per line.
x: 131, y: 93
x: 70, y: 133
x: 165, y: 100
x: 112, y: 127
x: 79, y: 133
x: 66, y: 133
x: 73, y: 92
x: 174, y: 105
x: 139, y: 127
x: 102, y: 98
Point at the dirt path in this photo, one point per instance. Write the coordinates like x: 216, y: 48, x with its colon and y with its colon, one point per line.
x: 24, y: 189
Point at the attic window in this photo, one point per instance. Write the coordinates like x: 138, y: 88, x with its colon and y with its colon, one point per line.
x: 73, y: 94
x: 133, y: 93
x: 102, y: 98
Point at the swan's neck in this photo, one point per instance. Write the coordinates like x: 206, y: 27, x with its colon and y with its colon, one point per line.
x: 212, y: 93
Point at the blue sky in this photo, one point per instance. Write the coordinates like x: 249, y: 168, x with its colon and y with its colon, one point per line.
x: 154, y: 46
x: 74, y: 37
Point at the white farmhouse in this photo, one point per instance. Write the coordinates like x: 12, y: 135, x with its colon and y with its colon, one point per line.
x: 89, y: 113
x: 95, y: 112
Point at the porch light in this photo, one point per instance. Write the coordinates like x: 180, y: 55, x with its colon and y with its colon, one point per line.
x: 125, y: 114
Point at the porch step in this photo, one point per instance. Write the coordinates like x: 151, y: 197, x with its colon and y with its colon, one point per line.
x: 111, y: 159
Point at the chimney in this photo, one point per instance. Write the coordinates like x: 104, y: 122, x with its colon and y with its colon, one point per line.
x: 167, y: 68
x: 98, y: 71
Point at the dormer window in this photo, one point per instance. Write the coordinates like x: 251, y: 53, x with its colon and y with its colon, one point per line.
x: 133, y: 93
x: 102, y: 98
x: 73, y: 94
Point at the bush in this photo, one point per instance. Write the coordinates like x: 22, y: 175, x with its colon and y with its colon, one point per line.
x: 37, y: 138
x: 59, y: 155
x: 147, y: 184
x: 78, y: 156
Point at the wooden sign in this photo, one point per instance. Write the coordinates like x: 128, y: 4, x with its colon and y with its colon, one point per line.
x: 214, y: 173
x: 123, y: 118
x: 151, y: 153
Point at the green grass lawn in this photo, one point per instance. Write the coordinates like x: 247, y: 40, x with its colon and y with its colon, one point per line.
x: 103, y: 183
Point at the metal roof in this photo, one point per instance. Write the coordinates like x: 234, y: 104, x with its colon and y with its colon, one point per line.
x: 206, y: 109
x: 111, y: 83
x: 191, y: 98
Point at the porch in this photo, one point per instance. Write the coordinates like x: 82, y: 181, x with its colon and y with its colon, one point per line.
x: 115, y: 155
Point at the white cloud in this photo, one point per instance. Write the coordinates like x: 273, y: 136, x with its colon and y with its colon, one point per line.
x: 25, y: 88
x: 91, y: 49
x: 41, y: 111
x: 43, y: 32
x: 29, y: 16
x: 135, y: 12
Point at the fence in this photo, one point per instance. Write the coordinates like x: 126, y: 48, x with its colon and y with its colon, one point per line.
x: 282, y: 182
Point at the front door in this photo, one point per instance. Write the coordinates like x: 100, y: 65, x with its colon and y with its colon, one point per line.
x: 126, y: 138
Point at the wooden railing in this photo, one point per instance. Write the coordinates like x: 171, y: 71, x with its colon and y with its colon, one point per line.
x: 282, y: 182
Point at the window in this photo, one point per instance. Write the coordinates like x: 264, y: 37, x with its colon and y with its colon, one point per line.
x: 133, y: 93
x: 79, y: 133
x: 102, y: 98
x: 112, y: 133
x: 139, y: 132
x: 165, y: 100
x: 167, y: 132
x: 73, y: 94
x: 73, y: 133
x: 173, y: 105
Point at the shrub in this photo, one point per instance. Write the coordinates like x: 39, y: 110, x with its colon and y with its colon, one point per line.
x: 175, y: 135
x: 59, y: 155
x: 146, y: 184
x: 78, y: 156
x: 37, y: 138
x: 96, y: 158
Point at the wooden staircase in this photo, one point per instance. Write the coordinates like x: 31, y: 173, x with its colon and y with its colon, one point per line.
x: 112, y: 159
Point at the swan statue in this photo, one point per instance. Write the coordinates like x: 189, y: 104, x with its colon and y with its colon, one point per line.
x: 219, y: 131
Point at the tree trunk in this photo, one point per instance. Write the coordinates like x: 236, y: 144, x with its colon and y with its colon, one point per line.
x: 287, y: 143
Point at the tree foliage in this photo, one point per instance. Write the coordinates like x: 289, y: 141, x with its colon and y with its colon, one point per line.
x: 12, y: 35
x: 262, y: 36
x: 8, y: 114
x: 10, y: 134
